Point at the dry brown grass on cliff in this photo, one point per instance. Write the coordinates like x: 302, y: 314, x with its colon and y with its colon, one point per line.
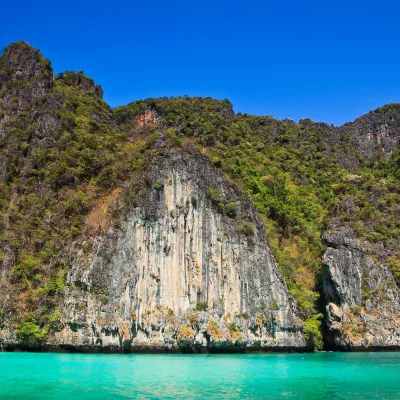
x: 124, y: 331
x: 99, y: 218
x: 193, y: 319
x: 185, y: 333
x: 235, y: 332
x: 215, y: 332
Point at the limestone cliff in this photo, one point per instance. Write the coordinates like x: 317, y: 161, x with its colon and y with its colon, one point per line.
x: 178, y: 273
x: 363, y: 309
x: 376, y: 133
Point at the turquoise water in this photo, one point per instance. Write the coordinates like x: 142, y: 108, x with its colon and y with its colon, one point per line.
x: 271, y: 376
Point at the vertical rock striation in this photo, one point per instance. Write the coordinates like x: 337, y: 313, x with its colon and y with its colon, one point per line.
x: 180, y: 273
x: 363, y: 308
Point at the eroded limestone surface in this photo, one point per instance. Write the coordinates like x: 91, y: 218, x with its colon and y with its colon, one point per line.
x: 363, y: 308
x: 178, y: 272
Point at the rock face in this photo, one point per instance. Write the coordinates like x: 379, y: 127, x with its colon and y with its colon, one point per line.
x: 363, y: 309
x: 376, y: 133
x: 24, y: 74
x: 78, y: 79
x: 180, y: 273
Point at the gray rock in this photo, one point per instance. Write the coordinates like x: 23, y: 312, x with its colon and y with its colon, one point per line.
x: 363, y: 308
x: 175, y: 252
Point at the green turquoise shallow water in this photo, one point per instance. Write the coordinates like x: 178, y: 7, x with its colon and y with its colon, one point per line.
x: 273, y: 376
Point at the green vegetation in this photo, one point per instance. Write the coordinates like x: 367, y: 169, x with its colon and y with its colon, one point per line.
x: 29, y: 332
x: 244, y: 315
x: 215, y: 195
x: 201, y: 306
x: 54, y: 284
x: 246, y: 228
x: 312, y: 331
x: 275, y: 305
x: 230, y: 209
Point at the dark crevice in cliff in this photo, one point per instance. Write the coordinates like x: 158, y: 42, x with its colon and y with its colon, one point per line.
x: 321, y: 308
x: 327, y: 333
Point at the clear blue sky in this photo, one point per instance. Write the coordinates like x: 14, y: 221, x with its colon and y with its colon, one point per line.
x: 330, y: 60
